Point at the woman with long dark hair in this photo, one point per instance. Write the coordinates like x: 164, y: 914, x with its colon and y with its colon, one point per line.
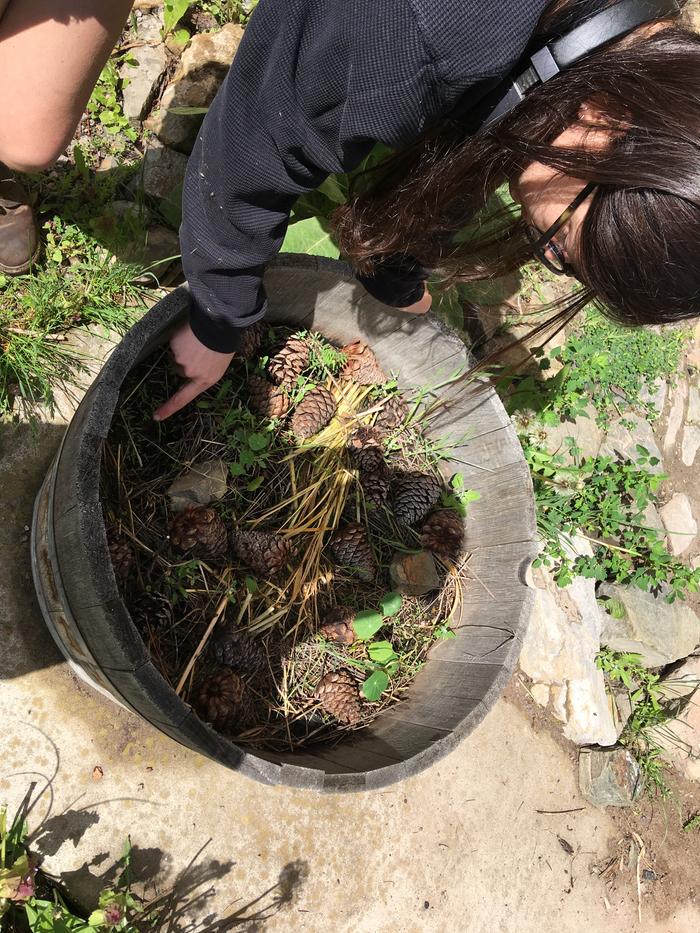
x: 603, y: 157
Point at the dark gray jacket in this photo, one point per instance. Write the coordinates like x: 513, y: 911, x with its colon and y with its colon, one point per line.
x: 314, y: 85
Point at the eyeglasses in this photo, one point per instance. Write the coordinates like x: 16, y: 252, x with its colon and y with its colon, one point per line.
x: 543, y: 244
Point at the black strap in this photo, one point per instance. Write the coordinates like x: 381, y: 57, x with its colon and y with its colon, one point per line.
x: 593, y: 34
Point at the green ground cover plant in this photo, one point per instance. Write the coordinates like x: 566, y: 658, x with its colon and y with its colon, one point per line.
x: 105, y: 104
x: 604, y: 499
x: 609, y: 368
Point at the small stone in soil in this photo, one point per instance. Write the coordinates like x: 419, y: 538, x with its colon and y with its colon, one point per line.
x: 414, y: 574
x: 202, y: 484
x: 608, y: 777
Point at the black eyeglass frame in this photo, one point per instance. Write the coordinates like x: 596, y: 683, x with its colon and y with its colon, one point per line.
x: 542, y: 242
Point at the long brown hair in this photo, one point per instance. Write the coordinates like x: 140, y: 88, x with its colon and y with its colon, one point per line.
x: 639, y: 253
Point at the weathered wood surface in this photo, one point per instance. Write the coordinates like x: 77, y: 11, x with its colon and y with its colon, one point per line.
x: 463, y: 676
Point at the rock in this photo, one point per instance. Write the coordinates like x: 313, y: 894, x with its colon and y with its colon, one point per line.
x: 680, y: 738
x: 623, y: 441
x: 608, y: 777
x: 675, y: 418
x: 203, y: 67
x: 652, y: 519
x: 559, y: 702
x: 657, y: 396
x: 202, y: 484
x: 622, y: 710
x: 141, y: 83
x: 129, y: 210
x: 155, y: 254
x: 540, y: 693
x: 161, y: 250
x: 658, y: 631
x: 202, y: 21
x: 123, y: 224
x: 693, y: 413
x: 414, y: 574
x: 677, y: 516
x: 149, y: 23
x: 584, y: 430
x: 163, y: 171
x: 559, y: 651
x: 108, y: 164
x: 691, y: 443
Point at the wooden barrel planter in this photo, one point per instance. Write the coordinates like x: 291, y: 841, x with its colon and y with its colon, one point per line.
x: 462, y: 678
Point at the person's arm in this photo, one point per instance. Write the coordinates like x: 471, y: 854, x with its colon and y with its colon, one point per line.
x: 315, y: 83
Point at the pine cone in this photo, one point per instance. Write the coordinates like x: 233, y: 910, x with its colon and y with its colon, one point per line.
x: 443, y: 533
x: 265, y: 554
x: 313, y: 412
x: 151, y: 611
x: 251, y: 340
x: 394, y: 412
x: 122, y: 556
x: 266, y: 400
x: 338, y: 695
x: 200, y: 530
x: 366, y: 449
x: 289, y: 362
x: 235, y: 648
x: 351, y: 548
x: 414, y: 494
x: 222, y: 700
x: 376, y: 487
x: 337, y: 626
x: 362, y: 365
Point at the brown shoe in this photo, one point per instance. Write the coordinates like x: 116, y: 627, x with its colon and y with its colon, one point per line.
x: 19, y: 237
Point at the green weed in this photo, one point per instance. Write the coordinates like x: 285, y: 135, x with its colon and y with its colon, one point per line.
x: 80, y: 285
x: 604, y: 366
x: 648, y: 713
x: 227, y: 11
x: 604, y: 498
x: 105, y: 104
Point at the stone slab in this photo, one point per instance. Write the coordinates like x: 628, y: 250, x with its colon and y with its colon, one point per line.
x: 622, y: 441
x: 163, y: 171
x: 693, y: 414
x: 659, y: 632
x: 141, y: 81
x: 680, y: 738
x: 691, y: 444
x: 676, y: 415
x: 678, y: 519
x: 584, y: 430
x: 656, y: 394
x: 609, y: 777
x: 559, y: 651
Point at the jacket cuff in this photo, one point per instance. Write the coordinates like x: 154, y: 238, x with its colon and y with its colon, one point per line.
x: 220, y: 335
x: 397, y: 281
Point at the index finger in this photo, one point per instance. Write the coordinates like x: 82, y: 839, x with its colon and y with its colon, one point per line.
x: 190, y: 390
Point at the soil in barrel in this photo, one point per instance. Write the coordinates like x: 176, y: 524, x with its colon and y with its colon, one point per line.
x: 272, y: 608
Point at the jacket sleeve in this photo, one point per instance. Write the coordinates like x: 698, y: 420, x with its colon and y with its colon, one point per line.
x: 315, y: 83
